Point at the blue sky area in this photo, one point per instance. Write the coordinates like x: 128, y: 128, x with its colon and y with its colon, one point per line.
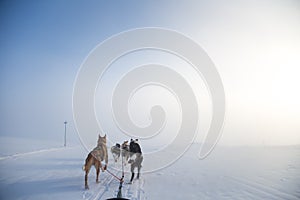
x: 43, y: 44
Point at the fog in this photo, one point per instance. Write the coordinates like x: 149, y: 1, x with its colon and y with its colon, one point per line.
x: 255, y: 47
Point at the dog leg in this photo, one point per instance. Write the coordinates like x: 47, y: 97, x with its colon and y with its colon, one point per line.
x: 140, y: 166
x: 101, y: 167
x: 132, y: 176
x: 124, y: 160
x: 132, y: 171
x: 87, y: 167
x: 86, y: 179
x: 139, y: 170
x: 97, y: 173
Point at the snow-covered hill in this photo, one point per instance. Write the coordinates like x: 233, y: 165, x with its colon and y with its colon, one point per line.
x: 228, y: 173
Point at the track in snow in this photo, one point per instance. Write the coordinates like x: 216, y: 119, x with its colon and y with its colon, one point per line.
x: 109, y: 186
x: 17, y: 155
x: 135, y: 191
x: 98, y: 190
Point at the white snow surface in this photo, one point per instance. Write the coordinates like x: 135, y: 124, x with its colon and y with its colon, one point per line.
x: 50, y: 171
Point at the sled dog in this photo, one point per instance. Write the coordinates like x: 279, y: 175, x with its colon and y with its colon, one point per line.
x: 136, y: 158
x: 116, y: 151
x: 95, y: 157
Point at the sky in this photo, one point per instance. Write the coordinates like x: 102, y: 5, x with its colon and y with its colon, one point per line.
x: 255, y: 46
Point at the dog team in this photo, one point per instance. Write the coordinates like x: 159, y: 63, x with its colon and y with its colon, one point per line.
x: 131, y: 153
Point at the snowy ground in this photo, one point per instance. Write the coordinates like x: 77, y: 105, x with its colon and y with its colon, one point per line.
x: 47, y: 171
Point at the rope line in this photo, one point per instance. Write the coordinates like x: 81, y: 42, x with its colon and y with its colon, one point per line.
x: 119, y: 195
x: 120, y: 179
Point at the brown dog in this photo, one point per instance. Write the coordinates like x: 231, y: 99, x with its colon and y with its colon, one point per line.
x: 95, y: 157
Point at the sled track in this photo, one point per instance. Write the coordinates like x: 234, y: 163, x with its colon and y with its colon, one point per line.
x: 18, y: 155
x: 136, y: 190
x: 98, y: 192
x: 109, y: 187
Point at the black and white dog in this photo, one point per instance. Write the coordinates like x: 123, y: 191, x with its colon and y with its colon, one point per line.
x: 136, y: 158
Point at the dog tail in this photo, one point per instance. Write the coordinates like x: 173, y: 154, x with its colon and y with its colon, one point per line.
x: 83, y: 167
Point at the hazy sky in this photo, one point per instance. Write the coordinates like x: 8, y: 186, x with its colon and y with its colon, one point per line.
x: 254, y: 44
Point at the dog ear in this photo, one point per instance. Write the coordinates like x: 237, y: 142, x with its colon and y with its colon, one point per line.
x: 104, y: 135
